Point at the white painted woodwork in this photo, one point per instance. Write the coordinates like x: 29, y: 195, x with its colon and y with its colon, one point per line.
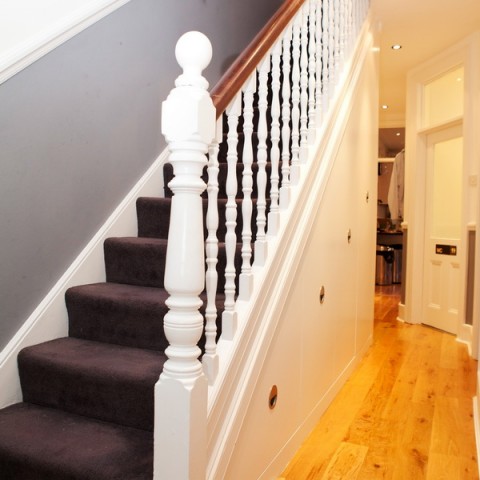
x: 274, y: 213
x: 318, y: 63
x: 332, y: 70
x: 325, y: 54
x: 443, y: 227
x: 286, y: 115
x: 229, y: 317
x: 188, y: 123
x: 210, y: 358
x: 246, y: 275
x: 312, y: 70
x: 261, y: 241
x: 295, y: 165
x: 304, y: 86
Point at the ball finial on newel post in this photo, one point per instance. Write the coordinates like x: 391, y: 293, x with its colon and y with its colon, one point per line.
x: 193, y: 53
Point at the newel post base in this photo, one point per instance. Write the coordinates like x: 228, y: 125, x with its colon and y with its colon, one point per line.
x: 181, y: 393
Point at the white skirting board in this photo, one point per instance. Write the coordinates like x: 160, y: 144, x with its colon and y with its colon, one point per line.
x: 49, y: 320
x: 476, y: 423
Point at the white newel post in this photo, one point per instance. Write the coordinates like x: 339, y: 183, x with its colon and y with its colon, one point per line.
x: 188, y: 123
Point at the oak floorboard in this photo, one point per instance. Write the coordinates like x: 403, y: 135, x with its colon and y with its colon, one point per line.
x: 405, y: 413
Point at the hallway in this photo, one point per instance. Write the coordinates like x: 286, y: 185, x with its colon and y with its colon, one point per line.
x: 406, y: 412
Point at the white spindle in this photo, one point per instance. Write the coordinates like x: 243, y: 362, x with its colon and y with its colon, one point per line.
x: 318, y: 64
x: 188, y: 123
x: 312, y: 65
x: 337, y: 20
x: 304, y: 87
x: 295, y: 168
x: 210, y: 358
x: 229, y: 317
x: 332, y: 72
x: 286, y: 56
x: 348, y: 27
x: 274, y: 214
x: 261, y: 242
x: 341, y: 40
x: 325, y: 54
x: 246, y: 276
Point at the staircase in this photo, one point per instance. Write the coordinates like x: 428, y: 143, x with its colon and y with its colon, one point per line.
x: 88, y: 399
x: 88, y: 406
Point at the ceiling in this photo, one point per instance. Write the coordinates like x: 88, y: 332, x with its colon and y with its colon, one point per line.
x: 424, y: 28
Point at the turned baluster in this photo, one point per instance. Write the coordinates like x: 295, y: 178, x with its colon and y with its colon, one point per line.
x: 295, y: 167
x: 261, y: 242
x: 246, y: 275
x: 210, y: 358
x: 229, y: 317
x: 286, y: 57
x: 274, y: 214
x: 304, y: 86
x: 312, y: 66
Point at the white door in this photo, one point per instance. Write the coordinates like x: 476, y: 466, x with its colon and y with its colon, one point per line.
x: 443, y: 208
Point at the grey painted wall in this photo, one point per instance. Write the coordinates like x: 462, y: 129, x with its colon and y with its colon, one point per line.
x: 81, y: 125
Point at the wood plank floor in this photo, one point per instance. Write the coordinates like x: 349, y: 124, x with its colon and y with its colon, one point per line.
x: 406, y: 413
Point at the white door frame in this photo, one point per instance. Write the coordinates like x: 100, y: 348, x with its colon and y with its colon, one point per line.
x: 465, y: 53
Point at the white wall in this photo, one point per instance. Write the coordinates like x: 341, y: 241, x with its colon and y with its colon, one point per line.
x: 316, y: 346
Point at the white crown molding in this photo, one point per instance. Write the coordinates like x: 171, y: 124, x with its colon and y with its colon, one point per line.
x: 57, y: 30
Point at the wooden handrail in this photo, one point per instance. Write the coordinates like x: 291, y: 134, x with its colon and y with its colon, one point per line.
x: 235, y: 77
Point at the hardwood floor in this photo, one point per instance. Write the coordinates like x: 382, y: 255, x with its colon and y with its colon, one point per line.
x: 406, y: 412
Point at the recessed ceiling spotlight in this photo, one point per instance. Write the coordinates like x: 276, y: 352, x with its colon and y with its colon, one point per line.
x: 384, y: 107
x: 398, y: 134
x: 397, y: 46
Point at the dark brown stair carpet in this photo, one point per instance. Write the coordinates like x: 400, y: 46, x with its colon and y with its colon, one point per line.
x: 39, y: 443
x: 100, y: 380
x: 135, y: 261
x: 154, y: 216
x: 129, y: 315
x: 122, y: 314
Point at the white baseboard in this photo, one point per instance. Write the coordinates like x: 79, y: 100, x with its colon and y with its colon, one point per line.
x: 465, y: 335
x: 401, y: 312
x: 476, y: 424
x: 49, y: 320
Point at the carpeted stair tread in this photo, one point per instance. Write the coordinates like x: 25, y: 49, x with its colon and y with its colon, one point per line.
x: 118, y: 313
x: 39, y: 443
x: 135, y: 260
x: 154, y: 216
x: 122, y: 314
x: 105, y: 381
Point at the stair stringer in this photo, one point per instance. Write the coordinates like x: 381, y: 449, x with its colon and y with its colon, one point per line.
x: 50, y: 320
x: 241, y: 361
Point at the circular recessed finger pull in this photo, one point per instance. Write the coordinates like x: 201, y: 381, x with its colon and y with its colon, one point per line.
x: 322, y: 294
x: 272, y: 398
x: 349, y: 235
x: 367, y: 197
